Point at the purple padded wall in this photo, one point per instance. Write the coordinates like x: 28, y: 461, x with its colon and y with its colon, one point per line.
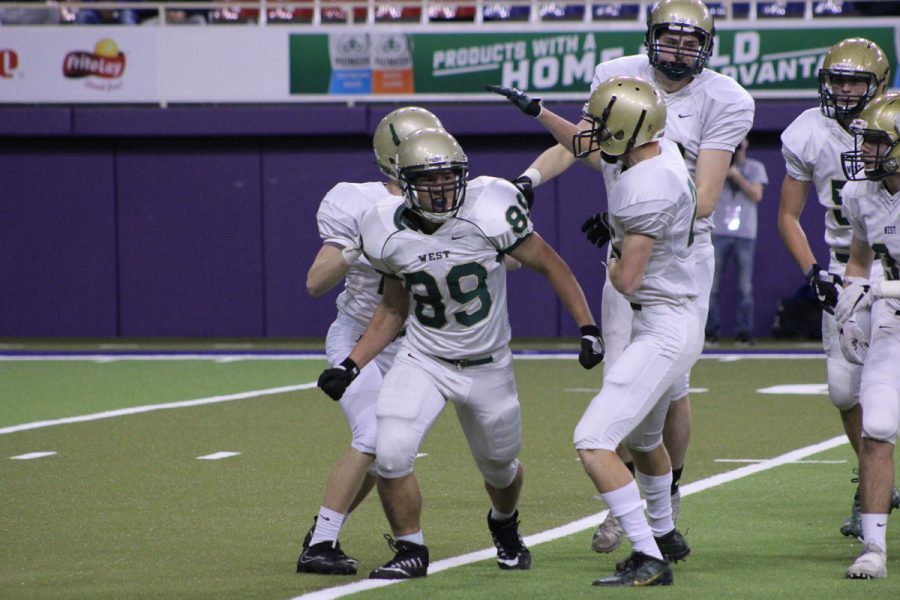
x: 57, y: 240
x: 198, y: 221
x: 190, y: 239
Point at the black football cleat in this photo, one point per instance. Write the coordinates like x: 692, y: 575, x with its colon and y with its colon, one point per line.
x: 511, y: 550
x: 639, y: 570
x: 673, y: 546
x: 410, y: 561
x: 326, y: 558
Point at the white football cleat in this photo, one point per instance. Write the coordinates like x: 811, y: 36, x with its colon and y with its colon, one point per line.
x: 870, y: 564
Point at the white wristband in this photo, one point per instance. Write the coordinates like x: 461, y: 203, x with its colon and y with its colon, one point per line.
x: 534, y: 175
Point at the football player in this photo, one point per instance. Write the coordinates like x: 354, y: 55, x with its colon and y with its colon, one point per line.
x: 652, y: 204
x: 853, y: 72
x: 339, y: 258
x: 708, y: 116
x: 871, y: 206
x: 440, y: 250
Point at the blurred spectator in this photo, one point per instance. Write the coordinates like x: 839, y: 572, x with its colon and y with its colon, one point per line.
x: 734, y: 237
x: 43, y: 13
x: 180, y: 16
x: 110, y: 16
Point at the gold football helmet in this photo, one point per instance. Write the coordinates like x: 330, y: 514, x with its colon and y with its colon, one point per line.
x: 876, y: 132
x: 625, y: 112
x: 853, y: 59
x: 680, y: 17
x: 431, y: 164
x: 395, y: 126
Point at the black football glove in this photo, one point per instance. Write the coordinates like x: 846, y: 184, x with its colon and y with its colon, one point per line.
x: 592, y: 350
x: 523, y: 184
x: 597, y: 229
x: 528, y: 105
x: 826, y: 286
x: 334, y: 381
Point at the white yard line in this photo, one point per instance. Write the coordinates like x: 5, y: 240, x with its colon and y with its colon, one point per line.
x: 583, y: 524
x: 154, y: 407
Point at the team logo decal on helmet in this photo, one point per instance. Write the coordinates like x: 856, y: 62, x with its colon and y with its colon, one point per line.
x: 625, y: 112
x: 679, y: 59
x: 852, y: 61
x: 391, y: 130
x: 876, y: 133
x: 433, y: 171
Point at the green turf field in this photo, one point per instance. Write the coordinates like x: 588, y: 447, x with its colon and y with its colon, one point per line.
x: 124, y: 508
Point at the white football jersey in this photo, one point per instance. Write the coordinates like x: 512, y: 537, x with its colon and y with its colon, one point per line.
x: 455, y: 275
x: 712, y: 112
x: 657, y: 198
x: 874, y: 217
x: 338, y: 217
x: 812, y: 147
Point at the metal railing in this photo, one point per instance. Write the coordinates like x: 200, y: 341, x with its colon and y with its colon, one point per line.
x: 428, y: 12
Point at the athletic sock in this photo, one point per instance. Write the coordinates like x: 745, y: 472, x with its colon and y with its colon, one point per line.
x: 415, y: 538
x: 625, y: 504
x: 500, y: 517
x: 874, y: 528
x: 659, y: 501
x: 328, y: 527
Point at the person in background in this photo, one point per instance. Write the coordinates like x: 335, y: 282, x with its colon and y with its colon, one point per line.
x: 734, y: 238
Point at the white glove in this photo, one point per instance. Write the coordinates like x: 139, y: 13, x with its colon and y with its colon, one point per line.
x: 351, y: 252
x: 856, y: 296
x: 854, y: 338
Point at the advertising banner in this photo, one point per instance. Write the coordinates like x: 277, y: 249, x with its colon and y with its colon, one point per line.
x: 776, y: 62
x: 88, y: 64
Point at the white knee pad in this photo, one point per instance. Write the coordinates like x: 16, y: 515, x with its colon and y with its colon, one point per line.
x: 396, y: 449
x: 843, y: 382
x: 881, y: 412
x: 498, y: 474
x: 648, y: 435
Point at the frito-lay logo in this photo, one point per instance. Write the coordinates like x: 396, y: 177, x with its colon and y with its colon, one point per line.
x: 9, y: 62
x: 105, y: 61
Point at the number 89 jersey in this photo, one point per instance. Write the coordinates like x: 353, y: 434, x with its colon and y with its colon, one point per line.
x: 456, y: 276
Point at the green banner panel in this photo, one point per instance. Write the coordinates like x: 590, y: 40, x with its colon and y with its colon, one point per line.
x: 777, y: 60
